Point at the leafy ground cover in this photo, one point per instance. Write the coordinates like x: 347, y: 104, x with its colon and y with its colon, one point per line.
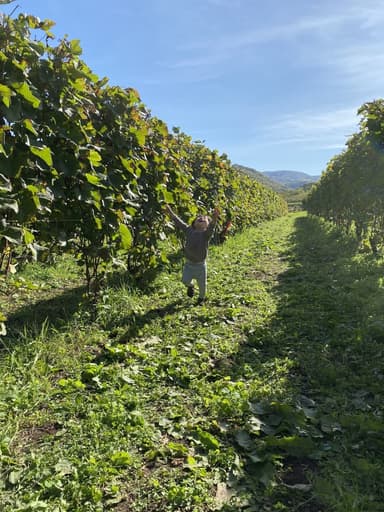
x: 269, y: 397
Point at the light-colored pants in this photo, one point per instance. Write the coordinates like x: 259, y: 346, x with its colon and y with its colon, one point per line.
x: 196, y: 271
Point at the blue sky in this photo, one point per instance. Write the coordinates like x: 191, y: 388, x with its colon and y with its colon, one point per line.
x: 275, y: 85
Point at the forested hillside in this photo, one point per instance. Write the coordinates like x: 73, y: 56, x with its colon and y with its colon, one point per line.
x: 293, y: 187
x: 262, y: 178
x: 292, y: 179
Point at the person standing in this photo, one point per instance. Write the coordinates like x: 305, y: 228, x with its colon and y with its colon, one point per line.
x: 197, y: 237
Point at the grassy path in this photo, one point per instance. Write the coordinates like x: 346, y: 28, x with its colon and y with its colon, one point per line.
x: 269, y: 397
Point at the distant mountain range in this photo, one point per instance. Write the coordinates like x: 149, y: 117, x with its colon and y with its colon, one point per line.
x: 280, y: 181
x: 261, y: 178
x: 292, y: 179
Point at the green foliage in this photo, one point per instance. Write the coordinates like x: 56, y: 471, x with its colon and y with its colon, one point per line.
x: 350, y: 192
x: 86, y: 169
x: 296, y: 197
x: 267, y: 397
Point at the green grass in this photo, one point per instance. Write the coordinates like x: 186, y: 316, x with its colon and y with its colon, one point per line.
x: 269, y: 397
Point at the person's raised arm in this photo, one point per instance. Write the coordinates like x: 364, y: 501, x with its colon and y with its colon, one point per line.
x: 215, y: 215
x: 178, y: 222
x: 212, y: 224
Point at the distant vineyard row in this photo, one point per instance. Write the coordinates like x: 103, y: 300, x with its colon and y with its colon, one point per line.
x: 86, y: 168
x: 351, y: 191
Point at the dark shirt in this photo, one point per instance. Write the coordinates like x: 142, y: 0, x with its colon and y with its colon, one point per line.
x: 196, y: 242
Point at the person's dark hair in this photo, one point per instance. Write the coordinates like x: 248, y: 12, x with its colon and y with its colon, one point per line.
x: 200, y: 215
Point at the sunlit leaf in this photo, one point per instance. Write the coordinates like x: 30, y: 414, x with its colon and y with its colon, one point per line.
x: 75, y: 46
x: 29, y: 126
x: 24, y: 91
x: 28, y: 236
x: 140, y: 135
x: 91, y: 178
x: 5, y: 95
x: 94, y: 157
x: 121, y: 459
x: 168, y: 197
x: 44, y: 153
x: 125, y: 236
x: 208, y: 440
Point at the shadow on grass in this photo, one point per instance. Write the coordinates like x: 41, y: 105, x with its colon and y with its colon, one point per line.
x: 327, y: 325
x: 143, y: 280
x: 136, y: 322
x: 322, y: 300
x: 56, y: 311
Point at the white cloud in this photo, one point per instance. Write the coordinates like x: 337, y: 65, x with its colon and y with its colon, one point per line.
x: 360, y: 66
x: 292, y: 141
x: 321, y: 122
x: 323, y: 28
x: 322, y: 129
